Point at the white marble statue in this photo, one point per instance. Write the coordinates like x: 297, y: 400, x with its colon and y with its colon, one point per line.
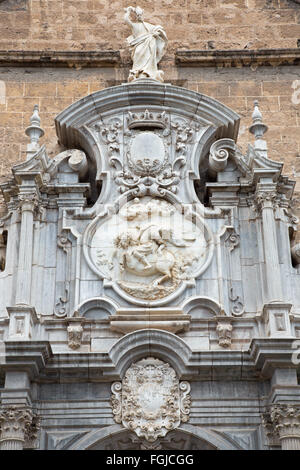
x: 148, y: 44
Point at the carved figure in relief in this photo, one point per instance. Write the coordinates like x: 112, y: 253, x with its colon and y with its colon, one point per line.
x: 144, y: 251
x: 148, y: 44
x: 152, y: 248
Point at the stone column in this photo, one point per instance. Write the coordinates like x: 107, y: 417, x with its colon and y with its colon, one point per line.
x: 286, y: 422
x: 265, y: 202
x: 14, y: 423
x: 28, y: 203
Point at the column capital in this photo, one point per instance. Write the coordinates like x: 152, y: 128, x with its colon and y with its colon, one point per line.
x: 18, y: 424
x: 28, y: 201
x: 265, y: 199
x: 286, y: 420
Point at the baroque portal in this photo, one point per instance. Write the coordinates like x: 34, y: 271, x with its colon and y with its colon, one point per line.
x: 154, y: 258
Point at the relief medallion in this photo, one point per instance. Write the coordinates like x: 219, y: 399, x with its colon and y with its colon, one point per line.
x: 149, y: 248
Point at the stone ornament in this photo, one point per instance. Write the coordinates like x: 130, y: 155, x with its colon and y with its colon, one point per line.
x: 150, y: 400
x: 141, y: 151
x: 29, y: 201
x: 286, y: 420
x: 224, y: 331
x: 148, y: 44
x: 74, y: 336
x: 149, y: 249
x: 34, y: 132
x: 265, y: 199
x: 18, y: 424
x: 75, y: 330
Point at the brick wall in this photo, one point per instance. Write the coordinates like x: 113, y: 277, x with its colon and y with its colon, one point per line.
x: 92, y: 24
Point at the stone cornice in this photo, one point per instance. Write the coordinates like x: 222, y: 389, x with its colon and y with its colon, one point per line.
x: 263, y: 356
x: 237, y: 58
x: 30, y: 356
x: 183, y: 58
x: 267, y: 354
x: 71, y: 59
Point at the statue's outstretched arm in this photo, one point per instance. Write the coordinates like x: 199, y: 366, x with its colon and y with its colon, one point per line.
x: 127, y: 19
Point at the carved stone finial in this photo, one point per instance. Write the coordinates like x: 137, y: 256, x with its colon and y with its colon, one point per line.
x: 258, y: 129
x: 34, y: 132
x: 147, y: 43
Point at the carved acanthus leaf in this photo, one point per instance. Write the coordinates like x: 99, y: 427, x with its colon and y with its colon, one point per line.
x: 18, y: 423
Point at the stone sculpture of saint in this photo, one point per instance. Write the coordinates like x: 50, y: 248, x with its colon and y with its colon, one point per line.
x: 147, y: 43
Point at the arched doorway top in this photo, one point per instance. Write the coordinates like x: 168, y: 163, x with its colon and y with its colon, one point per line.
x: 186, y: 437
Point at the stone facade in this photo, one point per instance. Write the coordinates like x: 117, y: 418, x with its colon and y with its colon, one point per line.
x: 159, y: 253
x: 34, y: 33
x: 147, y: 237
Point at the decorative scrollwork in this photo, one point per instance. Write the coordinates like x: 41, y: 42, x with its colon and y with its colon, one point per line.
x: 61, y: 304
x: 238, y: 307
x: 150, y: 401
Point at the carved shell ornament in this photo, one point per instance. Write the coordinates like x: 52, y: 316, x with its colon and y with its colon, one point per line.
x: 149, y: 250
x: 150, y: 400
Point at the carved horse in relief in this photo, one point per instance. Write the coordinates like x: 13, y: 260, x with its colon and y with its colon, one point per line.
x: 144, y: 252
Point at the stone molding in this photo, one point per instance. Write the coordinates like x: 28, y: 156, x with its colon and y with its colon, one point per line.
x: 184, y: 58
x: 237, y: 58
x: 264, y: 356
x: 215, y: 439
x: 72, y: 59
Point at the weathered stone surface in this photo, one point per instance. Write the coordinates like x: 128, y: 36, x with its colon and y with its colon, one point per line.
x: 157, y: 245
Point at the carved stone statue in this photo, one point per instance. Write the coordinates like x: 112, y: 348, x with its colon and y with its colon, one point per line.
x: 148, y: 44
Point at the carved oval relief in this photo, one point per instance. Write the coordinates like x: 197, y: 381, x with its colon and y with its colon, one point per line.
x: 147, y: 153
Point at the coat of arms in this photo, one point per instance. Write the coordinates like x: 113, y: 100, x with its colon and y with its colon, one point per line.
x: 150, y: 400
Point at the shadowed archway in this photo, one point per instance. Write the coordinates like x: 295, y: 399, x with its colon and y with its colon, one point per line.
x: 187, y: 437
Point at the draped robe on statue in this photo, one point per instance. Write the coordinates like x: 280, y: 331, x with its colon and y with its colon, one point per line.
x: 147, y: 50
